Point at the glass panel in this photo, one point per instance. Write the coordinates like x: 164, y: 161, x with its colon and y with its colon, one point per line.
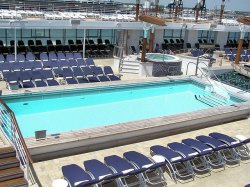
x: 176, y: 33
x: 26, y: 33
x: 56, y: 34
x: 80, y: 33
x: 70, y: 34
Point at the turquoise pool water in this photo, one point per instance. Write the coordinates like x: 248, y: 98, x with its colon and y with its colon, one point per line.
x: 62, y: 111
x: 158, y: 57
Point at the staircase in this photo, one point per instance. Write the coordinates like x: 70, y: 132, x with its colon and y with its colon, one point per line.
x: 129, y: 67
x: 11, y: 175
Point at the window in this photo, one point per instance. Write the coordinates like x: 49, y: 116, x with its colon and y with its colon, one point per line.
x: 174, y: 33
x: 206, y: 35
x: 234, y: 36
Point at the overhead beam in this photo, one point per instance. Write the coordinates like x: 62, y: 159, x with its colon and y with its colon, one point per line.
x: 153, y: 20
x: 244, y: 20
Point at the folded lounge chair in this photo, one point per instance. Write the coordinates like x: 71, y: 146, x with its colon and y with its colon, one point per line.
x: 229, y: 155
x: 76, y: 176
x: 213, y: 157
x: 241, y: 149
x: 153, y: 173
x: 178, y: 167
x: 101, y: 172
x: 130, y: 175
x: 196, y: 160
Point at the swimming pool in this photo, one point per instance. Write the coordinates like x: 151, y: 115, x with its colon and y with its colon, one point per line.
x: 61, y: 111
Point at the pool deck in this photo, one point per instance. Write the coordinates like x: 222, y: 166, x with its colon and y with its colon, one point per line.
x: 239, y: 176
x: 47, y: 171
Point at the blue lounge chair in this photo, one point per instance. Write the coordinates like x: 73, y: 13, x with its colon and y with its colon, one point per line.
x: 229, y: 155
x: 89, y: 74
x: 99, y: 73
x: 90, y: 62
x: 64, y: 63
x: 44, y: 57
x: 10, y: 58
x: 211, y: 156
x: 78, y: 74
x: 2, y: 59
x: 48, y: 75
x: 126, y: 170
x: 52, y: 56
x: 61, y: 56
x: 80, y: 62
x: 101, y: 172
x: 38, y: 77
x: 69, y: 56
x: 35, y: 65
x: 76, y: 176
x: 197, y: 161
x: 25, y: 78
x: 153, y: 173
x: 16, y: 66
x: 110, y: 74
x: 77, y: 56
x: 73, y: 63
x: 177, y: 166
x: 20, y: 58
x: 240, y: 147
x: 5, y: 66
x: 69, y: 76
x: 30, y: 57
x: 12, y: 79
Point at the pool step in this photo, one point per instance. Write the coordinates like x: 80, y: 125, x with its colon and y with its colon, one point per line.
x: 209, y: 100
x: 11, y: 175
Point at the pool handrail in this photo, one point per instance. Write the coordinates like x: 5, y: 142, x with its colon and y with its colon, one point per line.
x: 19, y: 144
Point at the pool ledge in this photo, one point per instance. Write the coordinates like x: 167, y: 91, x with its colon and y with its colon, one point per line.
x: 86, y: 140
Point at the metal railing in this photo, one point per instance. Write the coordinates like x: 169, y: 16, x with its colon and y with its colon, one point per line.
x: 212, y: 83
x: 13, y: 134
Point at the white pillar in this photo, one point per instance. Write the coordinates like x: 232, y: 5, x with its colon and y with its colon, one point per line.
x: 15, y: 44
x: 83, y: 45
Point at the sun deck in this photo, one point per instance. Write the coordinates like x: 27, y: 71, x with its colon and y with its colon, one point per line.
x: 47, y: 171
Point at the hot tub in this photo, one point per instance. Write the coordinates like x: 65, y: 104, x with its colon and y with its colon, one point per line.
x: 159, y: 65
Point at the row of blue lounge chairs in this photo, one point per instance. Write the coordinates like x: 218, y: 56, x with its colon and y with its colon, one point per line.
x: 29, y: 57
x: 231, y: 54
x: 47, y: 77
x: 182, y: 160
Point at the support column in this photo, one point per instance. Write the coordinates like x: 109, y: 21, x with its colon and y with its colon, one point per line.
x: 151, y: 40
x: 242, y: 34
x: 237, y: 59
x: 137, y: 9
x: 176, y: 9
x: 222, y: 11
x: 144, y: 45
x: 156, y: 7
x: 197, y: 12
